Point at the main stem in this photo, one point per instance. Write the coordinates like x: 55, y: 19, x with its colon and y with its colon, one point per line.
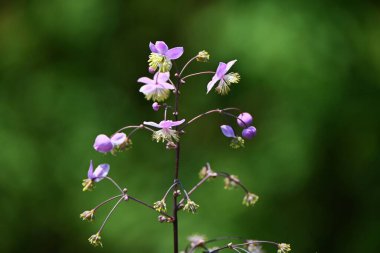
x: 176, y: 173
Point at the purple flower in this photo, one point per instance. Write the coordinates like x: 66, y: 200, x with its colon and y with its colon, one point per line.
x: 156, y: 89
x: 156, y: 106
x: 166, y: 133
x: 104, y: 144
x: 244, y: 119
x: 161, y: 56
x: 95, y: 176
x: 249, y: 132
x: 228, y: 131
x: 225, y: 80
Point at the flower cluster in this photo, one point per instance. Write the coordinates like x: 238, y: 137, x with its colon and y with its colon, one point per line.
x: 244, y: 120
x: 157, y: 87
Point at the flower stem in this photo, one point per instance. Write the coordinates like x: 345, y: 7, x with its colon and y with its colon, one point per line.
x: 109, y: 214
x: 187, y: 64
x: 193, y: 189
x: 198, y: 73
x: 147, y: 205
x: 116, y: 184
x: 167, y: 192
x: 106, y: 201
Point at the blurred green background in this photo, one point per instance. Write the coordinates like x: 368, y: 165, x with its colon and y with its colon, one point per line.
x: 310, y: 76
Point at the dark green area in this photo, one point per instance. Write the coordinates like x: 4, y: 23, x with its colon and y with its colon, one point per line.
x: 310, y: 76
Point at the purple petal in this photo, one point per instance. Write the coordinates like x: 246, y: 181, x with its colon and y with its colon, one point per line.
x: 90, y: 170
x: 174, y: 53
x: 221, y: 70
x: 249, y: 132
x: 153, y: 48
x: 162, y: 77
x: 148, y: 88
x: 151, y: 123
x: 161, y: 47
x: 156, y: 106
x: 212, y: 83
x: 167, y: 86
x: 229, y: 65
x: 101, y: 172
x: 228, y: 131
x: 103, y: 144
x: 170, y: 123
x: 118, y: 139
x: 244, y: 119
x: 145, y: 80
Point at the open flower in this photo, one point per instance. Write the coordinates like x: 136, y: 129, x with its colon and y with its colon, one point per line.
x: 95, y: 176
x: 88, y: 215
x: 160, y: 206
x: 95, y: 240
x: 166, y: 133
x: 237, y: 141
x: 191, y: 206
x: 161, y: 56
x: 104, y: 144
x: 283, y: 248
x: 156, y: 89
x: 225, y: 80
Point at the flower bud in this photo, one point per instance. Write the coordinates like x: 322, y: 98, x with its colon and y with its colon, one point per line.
x: 203, y: 56
x: 156, y: 106
x: 103, y: 144
x: 151, y: 70
x: 244, y: 119
x: 249, y: 132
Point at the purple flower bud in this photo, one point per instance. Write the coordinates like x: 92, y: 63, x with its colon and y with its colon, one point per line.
x: 244, y: 119
x: 249, y: 132
x: 151, y: 70
x: 103, y: 144
x: 156, y: 106
x: 118, y: 139
x: 228, y: 131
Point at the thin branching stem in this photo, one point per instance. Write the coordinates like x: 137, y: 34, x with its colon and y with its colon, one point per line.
x: 198, y: 73
x: 147, y: 205
x: 187, y: 64
x: 194, y: 188
x: 224, y: 174
x: 116, y: 184
x: 106, y: 201
x: 109, y: 214
x: 233, y: 246
x: 167, y: 192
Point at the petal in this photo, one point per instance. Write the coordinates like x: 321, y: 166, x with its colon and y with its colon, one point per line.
x: 249, y: 132
x: 101, y: 172
x: 221, y: 70
x: 103, y: 144
x: 170, y: 123
x: 90, y: 170
x: 228, y: 131
x: 167, y: 86
x: 153, y: 48
x: 212, y: 83
x: 174, y: 53
x: 145, y: 80
x: 162, y: 77
x: 229, y: 65
x: 161, y: 47
x: 118, y: 139
x: 151, y: 123
x: 147, y: 88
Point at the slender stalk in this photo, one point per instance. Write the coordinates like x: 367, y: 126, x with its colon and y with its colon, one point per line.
x: 106, y: 201
x: 176, y: 171
x: 224, y: 174
x: 167, y: 192
x: 147, y: 205
x: 233, y: 246
x: 109, y: 214
x: 198, y: 73
x: 193, y: 189
x: 223, y: 111
x: 187, y: 64
x: 116, y: 184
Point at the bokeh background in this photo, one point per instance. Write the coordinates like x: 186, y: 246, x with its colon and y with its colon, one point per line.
x: 310, y: 76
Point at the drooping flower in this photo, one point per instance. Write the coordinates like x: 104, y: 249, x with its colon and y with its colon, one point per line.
x: 250, y: 199
x: 244, y: 119
x: 191, y: 206
x: 95, y: 240
x: 88, y: 215
x: 283, y: 248
x: 249, y: 132
x: 104, y: 144
x: 156, y: 106
x: 95, y: 176
x: 237, y: 141
x: 160, y: 206
x: 254, y: 247
x: 158, y: 88
x: 161, y: 56
x: 225, y: 80
x: 166, y: 133
x: 231, y: 182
